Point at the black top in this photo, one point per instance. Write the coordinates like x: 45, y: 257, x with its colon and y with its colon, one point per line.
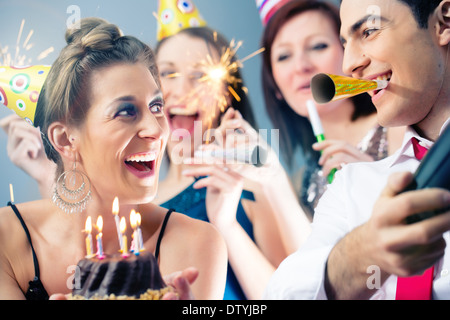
x: 161, y: 233
x: 36, y: 290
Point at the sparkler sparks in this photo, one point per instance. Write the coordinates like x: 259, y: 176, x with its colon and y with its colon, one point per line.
x: 20, y: 59
x: 220, y: 73
x: 220, y: 79
x: 218, y: 82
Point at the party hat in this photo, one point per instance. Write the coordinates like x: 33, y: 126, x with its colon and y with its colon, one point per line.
x: 20, y: 88
x: 267, y: 8
x: 330, y: 87
x: 176, y: 15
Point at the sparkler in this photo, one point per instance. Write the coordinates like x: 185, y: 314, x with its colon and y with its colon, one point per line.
x: 222, y: 72
x: 218, y: 82
x: 20, y: 58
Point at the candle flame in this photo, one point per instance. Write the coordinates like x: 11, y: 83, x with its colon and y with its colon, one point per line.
x: 115, y: 207
x: 99, y: 224
x: 88, y: 225
x: 138, y: 219
x: 133, y: 220
x: 123, y: 225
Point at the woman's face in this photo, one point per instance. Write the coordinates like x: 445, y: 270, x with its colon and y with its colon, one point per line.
x: 191, y: 105
x: 124, y: 136
x: 305, y: 45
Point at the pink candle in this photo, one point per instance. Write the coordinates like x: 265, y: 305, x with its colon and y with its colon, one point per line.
x: 99, y: 236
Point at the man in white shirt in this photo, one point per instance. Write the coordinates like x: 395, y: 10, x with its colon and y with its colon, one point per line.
x: 360, y: 244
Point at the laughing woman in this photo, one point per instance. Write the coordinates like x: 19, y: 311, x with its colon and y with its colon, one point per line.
x: 247, y: 219
x: 102, y: 118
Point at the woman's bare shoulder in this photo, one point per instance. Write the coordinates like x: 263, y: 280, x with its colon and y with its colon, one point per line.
x: 182, y: 229
x: 201, y: 228
x: 177, y: 219
x: 32, y: 213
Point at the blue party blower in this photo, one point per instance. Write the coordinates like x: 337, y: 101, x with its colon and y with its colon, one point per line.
x: 433, y: 172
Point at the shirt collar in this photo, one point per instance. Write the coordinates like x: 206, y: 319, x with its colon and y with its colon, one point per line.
x: 406, y: 150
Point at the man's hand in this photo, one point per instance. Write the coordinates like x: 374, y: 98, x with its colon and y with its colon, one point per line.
x: 402, y: 249
x: 387, y: 241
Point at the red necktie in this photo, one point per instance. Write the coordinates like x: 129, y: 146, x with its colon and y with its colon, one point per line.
x: 416, y: 287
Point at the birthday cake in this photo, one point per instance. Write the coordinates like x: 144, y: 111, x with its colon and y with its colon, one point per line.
x: 118, y: 277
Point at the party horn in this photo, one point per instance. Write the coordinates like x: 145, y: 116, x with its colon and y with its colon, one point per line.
x: 330, y: 87
x: 318, y: 131
x: 20, y: 88
x: 255, y: 155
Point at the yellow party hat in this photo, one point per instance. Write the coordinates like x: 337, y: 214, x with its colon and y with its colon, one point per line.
x: 176, y: 15
x: 20, y: 88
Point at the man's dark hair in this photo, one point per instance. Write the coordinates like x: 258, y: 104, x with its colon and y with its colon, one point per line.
x: 422, y: 9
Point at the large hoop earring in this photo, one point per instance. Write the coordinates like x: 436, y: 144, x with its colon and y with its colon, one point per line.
x: 72, y: 191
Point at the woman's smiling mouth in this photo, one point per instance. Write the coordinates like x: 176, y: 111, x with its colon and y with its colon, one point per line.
x: 141, y: 165
x: 182, y: 118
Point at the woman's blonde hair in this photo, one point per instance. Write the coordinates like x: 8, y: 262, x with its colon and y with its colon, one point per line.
x: 65, y: 95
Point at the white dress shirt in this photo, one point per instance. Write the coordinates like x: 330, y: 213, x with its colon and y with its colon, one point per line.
x: 346, y: 204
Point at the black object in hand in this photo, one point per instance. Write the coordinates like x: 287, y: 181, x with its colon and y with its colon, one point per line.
x: 433, y: 172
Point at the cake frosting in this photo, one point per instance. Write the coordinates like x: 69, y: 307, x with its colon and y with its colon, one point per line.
x: 118, y: 277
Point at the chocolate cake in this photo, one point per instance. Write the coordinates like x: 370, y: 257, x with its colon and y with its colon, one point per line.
x: 118, y: 277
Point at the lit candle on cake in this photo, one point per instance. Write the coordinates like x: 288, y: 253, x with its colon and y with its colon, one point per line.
x: 135, y: 242
x: 99, y: 236
x: 123, y: 228
x: 139, y: 232
x: 115, y: 211
x: 88, y: 230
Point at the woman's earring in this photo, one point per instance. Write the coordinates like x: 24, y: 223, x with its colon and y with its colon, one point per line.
x: 72, y: 191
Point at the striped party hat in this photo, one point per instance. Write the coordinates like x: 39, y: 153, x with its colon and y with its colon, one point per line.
x: 267, y: 8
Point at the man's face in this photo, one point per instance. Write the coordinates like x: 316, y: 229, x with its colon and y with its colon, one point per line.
x: 382, y: 39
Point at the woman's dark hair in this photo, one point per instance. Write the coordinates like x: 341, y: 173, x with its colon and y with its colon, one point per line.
x: 295, y: 130
x: 65, y: 96
x: 220, y: 44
